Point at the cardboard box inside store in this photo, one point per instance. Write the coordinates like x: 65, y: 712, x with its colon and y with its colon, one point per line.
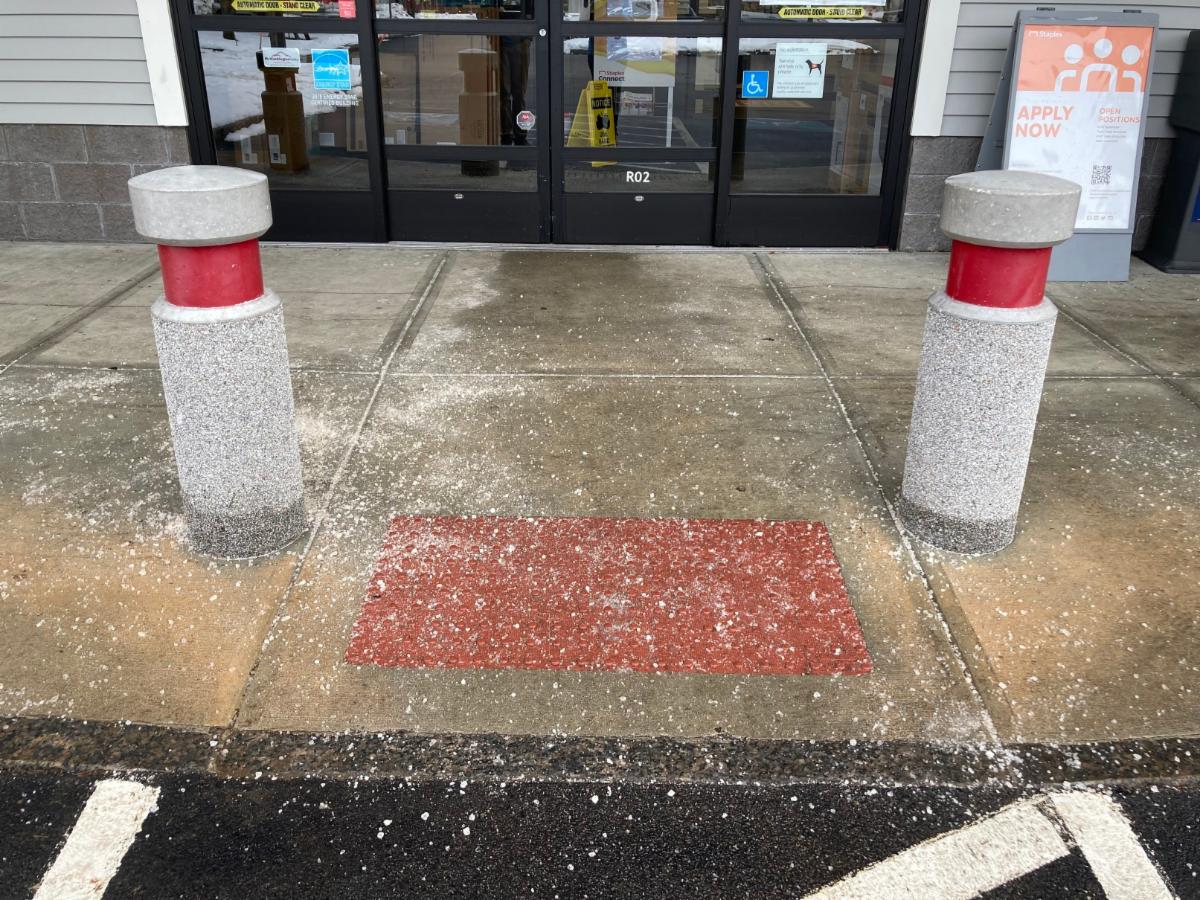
x: 855, y: 78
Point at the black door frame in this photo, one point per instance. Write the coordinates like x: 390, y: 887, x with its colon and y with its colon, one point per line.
x: 372, y: 215
x: 811, y: 220
x: 361, y: 215
x: 636, y: 217
x: 450, y: 214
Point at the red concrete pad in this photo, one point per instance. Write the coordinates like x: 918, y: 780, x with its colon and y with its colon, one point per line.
x: 612, y: 595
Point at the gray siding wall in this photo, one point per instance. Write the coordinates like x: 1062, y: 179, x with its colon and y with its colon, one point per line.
x: 77, y: 62
x: 983, y: 33
x: 984, y: 28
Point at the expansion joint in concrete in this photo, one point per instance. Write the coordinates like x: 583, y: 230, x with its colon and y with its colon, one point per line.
x: 399, y: 337
x: 781, y: 296
x: 52, y: 335
x: 1110, y: 343
x: 408, y: 324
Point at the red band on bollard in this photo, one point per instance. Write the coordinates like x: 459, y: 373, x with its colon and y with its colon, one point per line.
x: 223, y: 275
x: 1006, y: 277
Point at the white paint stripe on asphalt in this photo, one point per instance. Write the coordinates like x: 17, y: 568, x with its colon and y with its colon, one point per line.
x: 96, y: 845
x: 1111, y: 848
x: 960, y: 864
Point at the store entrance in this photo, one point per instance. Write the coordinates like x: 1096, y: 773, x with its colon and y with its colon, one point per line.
x: 572, y: 121
x: 462, y: 124
x: 594, y: 126
x: 651, y: 177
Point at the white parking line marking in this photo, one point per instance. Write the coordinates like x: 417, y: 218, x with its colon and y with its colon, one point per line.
x: 1110, y: 847
x: 96, y: 845
x: 960, y: 864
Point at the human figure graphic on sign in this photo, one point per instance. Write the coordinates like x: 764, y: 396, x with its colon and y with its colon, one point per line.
x: 1073, y: 54
x: 1131, y: 55
x: 1101, y: 50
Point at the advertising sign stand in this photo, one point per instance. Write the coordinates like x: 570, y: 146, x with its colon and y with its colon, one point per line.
x: 1072, y: 102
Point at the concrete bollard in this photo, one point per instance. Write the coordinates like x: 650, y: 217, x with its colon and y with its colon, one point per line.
x: 983, y: 360
x: 223, y: 358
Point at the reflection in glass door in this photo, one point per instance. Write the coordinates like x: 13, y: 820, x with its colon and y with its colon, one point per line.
x: 460, y: 89
x: 285, y: 96
x: 652, y: 70
x: 813, y: 145
x: 639, y: 138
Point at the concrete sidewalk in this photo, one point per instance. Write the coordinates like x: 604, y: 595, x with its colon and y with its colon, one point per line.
x: 527, y: 383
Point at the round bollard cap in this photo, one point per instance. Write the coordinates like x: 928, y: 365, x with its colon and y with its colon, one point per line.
x: 1009, y: 208
x: 196, y: 206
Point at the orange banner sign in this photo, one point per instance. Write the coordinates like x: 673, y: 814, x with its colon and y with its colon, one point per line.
x: 1077, y: 112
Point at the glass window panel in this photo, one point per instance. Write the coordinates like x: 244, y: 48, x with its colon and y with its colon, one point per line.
x: 789, y: 11
x: 339, y: 8
x: 450, y: 89
x: 643, y: 10
x: 677, y: 177
x: 455, y: 9
x: 272, y: 110
x: 820, y: 124
x: 462, y: 175
x: 641, y: 91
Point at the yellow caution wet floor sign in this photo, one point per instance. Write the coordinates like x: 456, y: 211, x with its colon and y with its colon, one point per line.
x: 593, y: 124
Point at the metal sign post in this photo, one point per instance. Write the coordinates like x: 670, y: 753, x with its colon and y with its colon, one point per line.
x: 1072, y: 102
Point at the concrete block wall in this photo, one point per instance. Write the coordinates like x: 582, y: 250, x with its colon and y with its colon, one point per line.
x: 933, y: 159
x: 67, y: 182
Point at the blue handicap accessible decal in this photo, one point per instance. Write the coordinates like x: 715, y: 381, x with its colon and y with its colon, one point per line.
x: 331, y: 70
x: 754, y: 83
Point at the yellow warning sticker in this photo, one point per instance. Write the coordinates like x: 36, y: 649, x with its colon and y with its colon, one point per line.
x: 269, y: 6
x: 821, y: 12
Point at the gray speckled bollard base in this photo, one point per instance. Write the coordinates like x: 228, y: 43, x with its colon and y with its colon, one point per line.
x: 978, y: 392
x: 229, y: 399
